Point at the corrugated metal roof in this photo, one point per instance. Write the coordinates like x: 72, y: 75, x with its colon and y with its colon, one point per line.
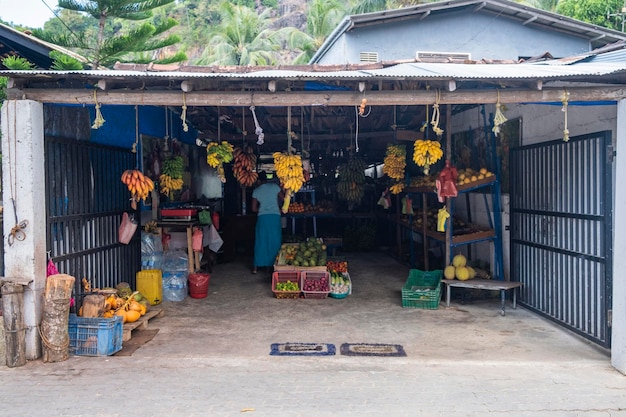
x: 407, y: 71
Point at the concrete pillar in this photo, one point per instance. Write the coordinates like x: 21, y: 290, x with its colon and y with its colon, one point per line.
x: 618, y: 329
x: 23, y: 185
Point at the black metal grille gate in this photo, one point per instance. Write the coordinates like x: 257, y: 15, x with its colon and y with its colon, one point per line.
x: 84, y: 204
x: 561, y: 232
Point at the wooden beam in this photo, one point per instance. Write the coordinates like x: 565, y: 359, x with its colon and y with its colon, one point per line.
x: 315, y: 98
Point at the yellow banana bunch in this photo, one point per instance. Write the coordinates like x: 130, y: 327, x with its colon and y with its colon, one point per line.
x: 219, y: 153
x: 289, y: 170
x: 139, y: 185
x: 168, y: 184
x: 395, y: 162
x: 396, y: 188
x: 426, y: 153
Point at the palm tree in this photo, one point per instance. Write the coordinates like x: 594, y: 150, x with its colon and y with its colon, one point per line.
x: 105, y: 49
x: 322, y: 17
x: 242, y: 38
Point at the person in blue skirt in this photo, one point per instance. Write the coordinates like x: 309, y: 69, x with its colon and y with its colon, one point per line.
x: 266, y: 201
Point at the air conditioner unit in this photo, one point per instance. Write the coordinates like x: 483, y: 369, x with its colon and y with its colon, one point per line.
x: 368, y: 56
x: 443, y: 55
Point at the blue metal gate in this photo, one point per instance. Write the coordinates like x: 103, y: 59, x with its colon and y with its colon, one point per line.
x: 85, y: 201
x: 561, y: 231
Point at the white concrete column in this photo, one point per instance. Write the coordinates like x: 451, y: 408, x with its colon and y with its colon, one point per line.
x: 23, y: 185
x: 618, y: 330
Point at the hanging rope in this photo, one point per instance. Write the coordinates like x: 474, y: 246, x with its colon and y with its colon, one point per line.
x: 499, y: 118
x: 424, y: 127
x: 565, y: 100
x: 134, y: 148
x: 98, y: 120
x: 289, y: 130
x: 257, y: 128
x: 356, y: 131
x: 183, y: 115
x: 243, y: 126
x: 435, y: 120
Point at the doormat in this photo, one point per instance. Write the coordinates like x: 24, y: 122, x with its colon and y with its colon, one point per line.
x: 302, y: 349
x: 139, y: 338
x: 371, y: 349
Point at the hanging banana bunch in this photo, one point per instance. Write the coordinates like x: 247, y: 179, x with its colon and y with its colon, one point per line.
x: 351, y: 185
x: 218, y: 154
x: 139, y: 185
x: 426, y: 153
x: 243, y: 168
x: 290, y: 173
x: 394, y: 165
x: 171, y: 178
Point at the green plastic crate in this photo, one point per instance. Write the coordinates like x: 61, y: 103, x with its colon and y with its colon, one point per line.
x: 422, y: 289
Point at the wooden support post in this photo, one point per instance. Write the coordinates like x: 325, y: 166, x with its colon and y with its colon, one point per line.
x: 54, y: 324
x: 14, y: 329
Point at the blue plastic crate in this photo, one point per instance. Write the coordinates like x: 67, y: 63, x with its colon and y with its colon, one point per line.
x: 95, y: 336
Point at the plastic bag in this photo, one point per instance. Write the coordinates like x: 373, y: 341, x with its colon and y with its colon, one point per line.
x: 127, y: 228
x: 215, y: 240
x: 150, y: 244
x: 174, y: 286
x: 196, y: 240
x: 175, y: 261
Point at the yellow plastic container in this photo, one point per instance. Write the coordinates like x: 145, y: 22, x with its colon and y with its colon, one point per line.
x: 150, y: 285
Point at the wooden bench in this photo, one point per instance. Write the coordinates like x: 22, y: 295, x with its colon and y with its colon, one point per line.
x: 484, y: 284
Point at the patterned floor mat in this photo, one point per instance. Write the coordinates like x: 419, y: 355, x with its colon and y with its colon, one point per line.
x: 371, y: 349
x: 302, y: 349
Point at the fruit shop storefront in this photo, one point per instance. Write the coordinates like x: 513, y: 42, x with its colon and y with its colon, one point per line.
x: 377, y: 106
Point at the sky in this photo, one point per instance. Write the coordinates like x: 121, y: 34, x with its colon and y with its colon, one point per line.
x: 31, y: 13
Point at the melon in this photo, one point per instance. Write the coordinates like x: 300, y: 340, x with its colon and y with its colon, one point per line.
x: 448, y: 272
x: 472, y: 272
x: 462, y: 273
x: 459, y: 260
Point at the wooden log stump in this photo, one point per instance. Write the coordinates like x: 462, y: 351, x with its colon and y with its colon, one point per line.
x: 93, y: 306
x: 14, y: 330
x: 54, y: 325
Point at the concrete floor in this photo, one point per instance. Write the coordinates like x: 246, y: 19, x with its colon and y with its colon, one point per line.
x: 211, y: 357
x: 241, y: 318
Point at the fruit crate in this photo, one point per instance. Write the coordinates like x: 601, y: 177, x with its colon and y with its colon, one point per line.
x: 422, y: 289
x: 284, y: 276
x: 321, y: 278
x: 95, y: 336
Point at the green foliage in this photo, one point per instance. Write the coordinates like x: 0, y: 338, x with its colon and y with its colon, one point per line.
x: 63, y: 62
x: 13, y: 62
x: 322, y: 18
x: 592, y: 11
x: 3, y: 94
x: 242, y: 37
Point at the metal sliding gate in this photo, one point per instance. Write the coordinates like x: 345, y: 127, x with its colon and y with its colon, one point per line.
x: 561, y: 232
x: 85, y: 201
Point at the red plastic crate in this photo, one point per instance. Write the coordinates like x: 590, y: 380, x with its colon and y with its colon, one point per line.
x: 320, y: 276
x: 284, y: 276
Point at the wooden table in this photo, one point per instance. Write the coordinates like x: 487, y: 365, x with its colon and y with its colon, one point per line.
x: 484, y: 284
x: 193, y: 258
